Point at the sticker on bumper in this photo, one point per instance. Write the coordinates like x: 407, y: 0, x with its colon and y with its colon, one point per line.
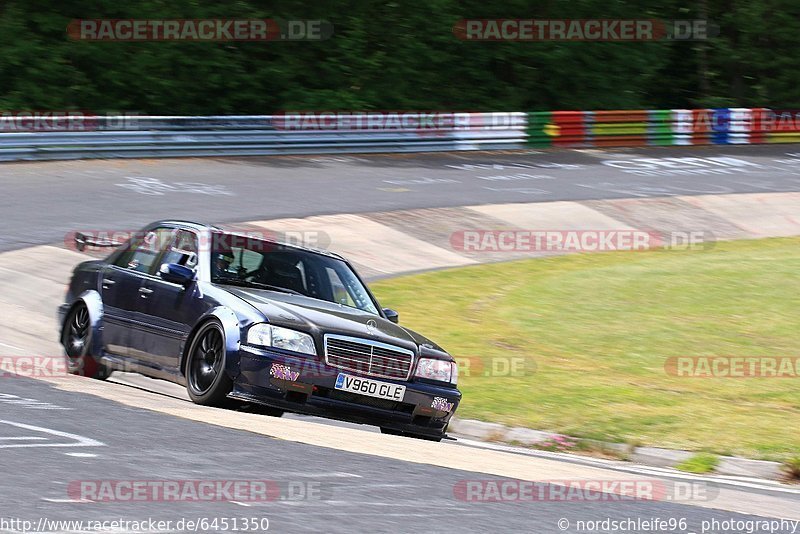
x: 440, y: 403
x: 283, y: 372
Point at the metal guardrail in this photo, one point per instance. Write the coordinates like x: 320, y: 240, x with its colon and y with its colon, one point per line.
x: 266, y: 135
x: 221, y: 136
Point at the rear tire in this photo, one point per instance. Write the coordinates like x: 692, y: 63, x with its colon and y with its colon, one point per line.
x: 76, y: 337
x: 206, y: 380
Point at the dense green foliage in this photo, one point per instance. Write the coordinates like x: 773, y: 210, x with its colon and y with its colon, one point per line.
x: 399, y: 54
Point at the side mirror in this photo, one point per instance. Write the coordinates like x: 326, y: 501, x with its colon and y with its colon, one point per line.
x: 391, y: 315
x: 176, y: 274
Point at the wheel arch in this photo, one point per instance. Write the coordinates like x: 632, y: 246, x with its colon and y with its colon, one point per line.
x: 231, y: 329
x: 94, y: 304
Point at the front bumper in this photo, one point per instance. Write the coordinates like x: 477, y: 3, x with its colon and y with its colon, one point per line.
x: 306, y: 385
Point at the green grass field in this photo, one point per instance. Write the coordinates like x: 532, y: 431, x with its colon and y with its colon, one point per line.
x: 596, y: 330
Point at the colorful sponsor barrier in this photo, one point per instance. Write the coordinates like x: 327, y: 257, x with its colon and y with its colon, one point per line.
x: 663, y: 127
x: 777, y: 126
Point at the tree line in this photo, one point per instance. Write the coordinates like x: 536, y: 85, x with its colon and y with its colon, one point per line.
x: 395, y: 55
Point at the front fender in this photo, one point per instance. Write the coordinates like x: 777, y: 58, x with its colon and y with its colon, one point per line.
x: 94, y: 303
x: 232, y: 331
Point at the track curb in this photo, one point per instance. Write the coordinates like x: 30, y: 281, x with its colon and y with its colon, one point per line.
x: 650, y: 456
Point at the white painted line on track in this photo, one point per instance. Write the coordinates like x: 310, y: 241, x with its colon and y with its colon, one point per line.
x: 67, y: 501
x: 335, y: 474
x: 78, y: 441
x: 33, y: 404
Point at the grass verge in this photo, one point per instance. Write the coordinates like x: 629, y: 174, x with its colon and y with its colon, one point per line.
x: 700, y: 464
x: 590, y: 335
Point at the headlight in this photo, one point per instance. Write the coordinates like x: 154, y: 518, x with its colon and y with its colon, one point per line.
x: 440, y: 370
x: 267, y: 335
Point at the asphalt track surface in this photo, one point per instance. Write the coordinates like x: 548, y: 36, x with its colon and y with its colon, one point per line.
x: 331, y: 491
x: 41, y: 202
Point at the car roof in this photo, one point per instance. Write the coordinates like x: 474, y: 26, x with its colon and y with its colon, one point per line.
x: 200, y: 227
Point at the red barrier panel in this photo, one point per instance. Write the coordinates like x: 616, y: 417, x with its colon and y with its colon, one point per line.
x: 759, y: 128
x: 620, y: 140
x: 571, y: 127
x: 701, y: 126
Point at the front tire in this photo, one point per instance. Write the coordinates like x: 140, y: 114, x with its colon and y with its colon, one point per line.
x: 206, y: 380
x: 76, y: 337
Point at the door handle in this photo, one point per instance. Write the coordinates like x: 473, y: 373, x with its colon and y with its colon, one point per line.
x: 143, y: 291
x: 108, y: 282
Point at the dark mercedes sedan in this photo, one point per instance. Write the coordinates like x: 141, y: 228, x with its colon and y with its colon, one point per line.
x: 235, y: 316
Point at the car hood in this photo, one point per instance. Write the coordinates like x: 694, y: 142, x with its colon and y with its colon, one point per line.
x: 322, y: 317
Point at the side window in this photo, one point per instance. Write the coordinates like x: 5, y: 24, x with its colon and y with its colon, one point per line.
x: 356, y: 292
x: 284, y: 270
x: 250, y: 260
x: 141, y: 255
x: 340, y: 293
x: 183, y: 250
x: 234, y: 262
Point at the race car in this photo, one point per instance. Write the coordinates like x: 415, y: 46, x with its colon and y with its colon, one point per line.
x: 251, y: 318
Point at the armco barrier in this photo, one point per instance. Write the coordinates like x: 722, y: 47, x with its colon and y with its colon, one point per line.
x: 149, y: 137
x: 257, y: 135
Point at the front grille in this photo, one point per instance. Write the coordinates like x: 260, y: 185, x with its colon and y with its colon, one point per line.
x: 368, y: 357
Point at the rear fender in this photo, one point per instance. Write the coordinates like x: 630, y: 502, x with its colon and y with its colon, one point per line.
x: 94, y: 303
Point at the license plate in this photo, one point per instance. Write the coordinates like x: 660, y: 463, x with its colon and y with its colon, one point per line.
x: 369, y: 387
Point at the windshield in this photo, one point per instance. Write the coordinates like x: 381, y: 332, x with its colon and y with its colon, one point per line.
x: 251, y: 262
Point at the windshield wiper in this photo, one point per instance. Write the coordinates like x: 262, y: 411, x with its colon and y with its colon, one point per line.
x: 244, y: 283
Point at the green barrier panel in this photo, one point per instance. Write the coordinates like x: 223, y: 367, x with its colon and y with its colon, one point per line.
x: 540, y: 129
x: 659, y: 129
